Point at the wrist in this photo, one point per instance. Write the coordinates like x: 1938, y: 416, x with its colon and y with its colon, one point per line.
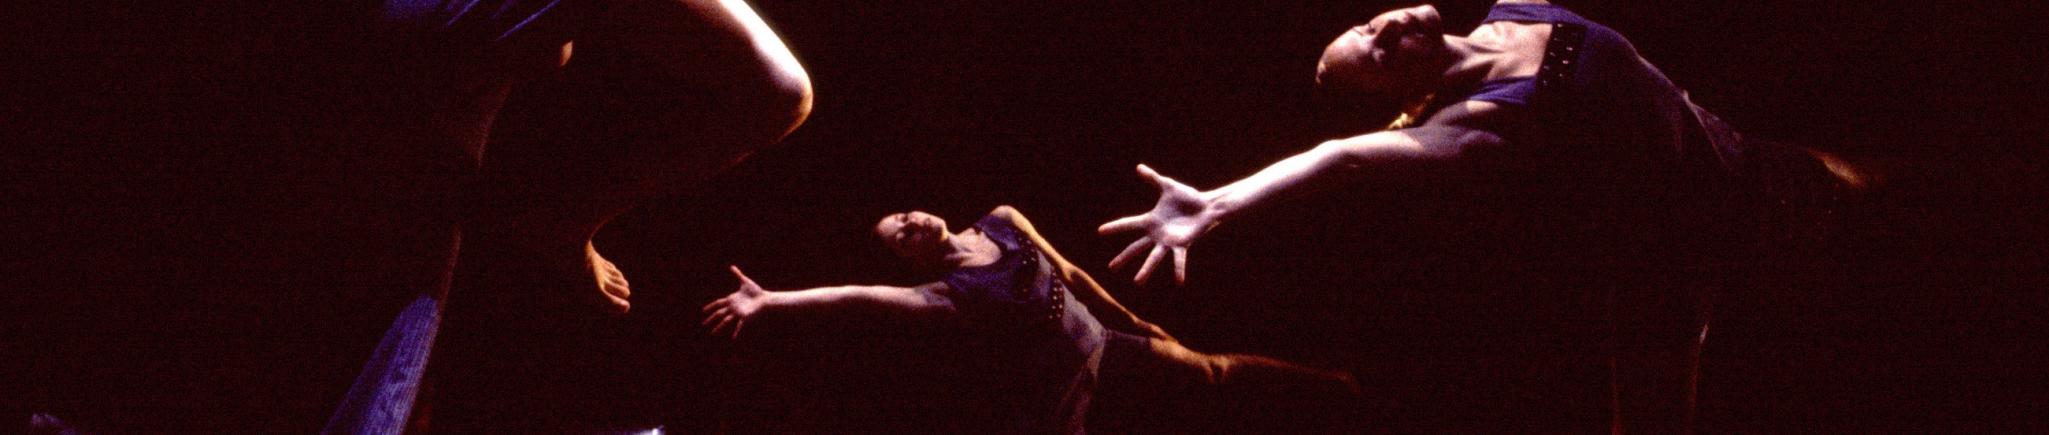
x: 1219, y: 203
x: 773, y: 300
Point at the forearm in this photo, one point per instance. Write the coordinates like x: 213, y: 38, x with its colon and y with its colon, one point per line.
x: 1318, y: 167
x: 898, y: 300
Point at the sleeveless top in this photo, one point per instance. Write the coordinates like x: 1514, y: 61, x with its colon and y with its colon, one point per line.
x: 1592, y: 73
x: 1620, y: 192
x: 1613, y: 143
x: 1049, y: 342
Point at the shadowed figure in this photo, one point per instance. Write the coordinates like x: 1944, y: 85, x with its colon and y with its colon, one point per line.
x: 661, y: 96
x: 1057, y: 334
x: 1609, y: 205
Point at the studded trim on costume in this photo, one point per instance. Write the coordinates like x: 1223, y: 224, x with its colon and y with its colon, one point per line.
x: 1058, y: 308
x: 1560, y: 53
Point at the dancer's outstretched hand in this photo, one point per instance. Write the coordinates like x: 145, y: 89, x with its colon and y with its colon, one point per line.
x: 1182, y: 215
x: 728, y: 315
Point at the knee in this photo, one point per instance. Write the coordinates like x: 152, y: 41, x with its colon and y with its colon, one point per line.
x: 782, y: 93
x: 787, y: 96
x: 712, y: 66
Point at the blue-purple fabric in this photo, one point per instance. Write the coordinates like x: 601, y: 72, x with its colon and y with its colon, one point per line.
x: 1008, y: 289
x: 1049, y: 341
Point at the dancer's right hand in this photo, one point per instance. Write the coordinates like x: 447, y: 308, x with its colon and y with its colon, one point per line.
x: 728, y: 315
x: 1182, y: 215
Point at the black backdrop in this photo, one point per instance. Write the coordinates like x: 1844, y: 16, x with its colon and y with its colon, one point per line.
x: 1918, y: 314
x: 1922, y: 312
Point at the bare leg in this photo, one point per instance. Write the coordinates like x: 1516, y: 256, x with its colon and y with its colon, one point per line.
x: 1113, y: 314
x: 1156, y: 385
x: 1240, y: 371
x: 687, y: 89
x: 1657, y: 341
x: 659, y: 97
x: 1085, y: 288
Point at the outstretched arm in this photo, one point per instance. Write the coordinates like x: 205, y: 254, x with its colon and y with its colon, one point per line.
x: 1406, y: 151
x: 1184, y: 214
x: 728, y: 315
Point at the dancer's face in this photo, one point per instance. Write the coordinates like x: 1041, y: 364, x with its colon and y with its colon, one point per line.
x: 917, y: 236
x: 1399, y: 53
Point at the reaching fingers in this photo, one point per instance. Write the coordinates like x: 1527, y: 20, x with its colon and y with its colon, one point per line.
x: 714, y: 305
x: 736, y: 330
x: 724, y: 322
x: 1151, y: 261
x: 715, y: 315
x: 1123, y: 224
x: 1162, y: 180
x: 1170, y: 184
x: 743, y: 276
x: 1130, y: 252
x: 1180, y: 265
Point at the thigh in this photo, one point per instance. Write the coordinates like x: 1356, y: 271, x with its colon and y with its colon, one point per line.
x: 656, y: 94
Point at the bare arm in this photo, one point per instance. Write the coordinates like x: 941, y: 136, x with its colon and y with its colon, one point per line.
x: 921, y: 300
x: 728, y: 315
x: 1401, y: 151
x: 1184, y: 214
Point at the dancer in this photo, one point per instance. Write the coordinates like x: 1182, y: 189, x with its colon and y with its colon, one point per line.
x: 704, y: 83
x: 1007, y: 283
x: 1611, y: 187
x: 248, y: 192
x: 662, y: 95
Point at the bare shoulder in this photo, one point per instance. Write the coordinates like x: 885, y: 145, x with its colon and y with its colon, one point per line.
x: 1008, y: 213
x: 1017, y: 219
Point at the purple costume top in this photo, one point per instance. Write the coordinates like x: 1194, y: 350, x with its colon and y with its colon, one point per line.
x: 1049, y: 341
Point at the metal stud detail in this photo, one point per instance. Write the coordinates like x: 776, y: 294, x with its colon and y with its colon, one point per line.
x: 1559, y: 54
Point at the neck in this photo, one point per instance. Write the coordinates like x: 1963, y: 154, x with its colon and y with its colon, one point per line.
x: 1471, y: 58
x: 953, y: 250
x: 970, y: 248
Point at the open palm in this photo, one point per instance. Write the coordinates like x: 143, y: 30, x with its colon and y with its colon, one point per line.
x: 728, y: 315
x: 1182, y: 215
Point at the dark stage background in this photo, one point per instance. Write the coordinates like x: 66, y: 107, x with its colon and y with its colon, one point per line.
x: 1917, y: 309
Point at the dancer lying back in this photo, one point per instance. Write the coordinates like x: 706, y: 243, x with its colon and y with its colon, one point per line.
x: 1002, y: 279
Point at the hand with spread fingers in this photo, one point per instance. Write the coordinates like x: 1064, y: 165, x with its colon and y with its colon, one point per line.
x: 728, y: 315
x: 1182, y: 215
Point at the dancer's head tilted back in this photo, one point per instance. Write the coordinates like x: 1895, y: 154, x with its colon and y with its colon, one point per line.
x: 1400, y: 54
x: 916, y: 236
